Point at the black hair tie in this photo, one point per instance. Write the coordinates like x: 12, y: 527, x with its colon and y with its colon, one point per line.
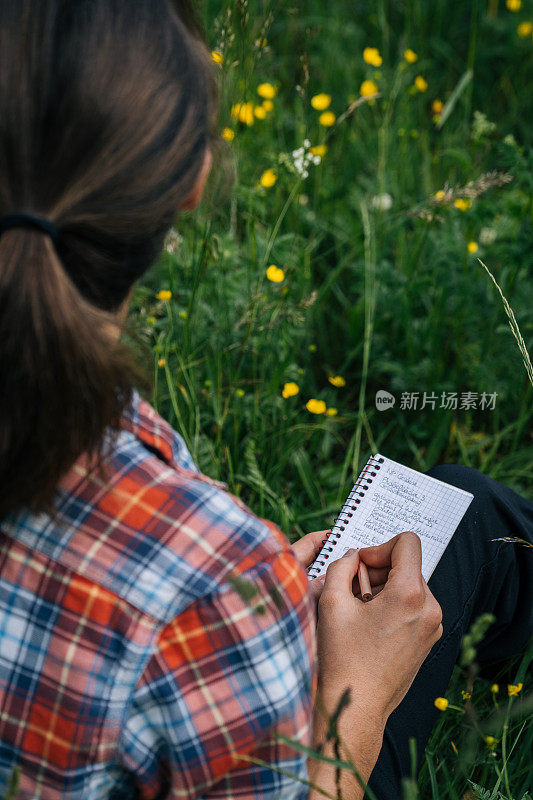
x: 26, y: 220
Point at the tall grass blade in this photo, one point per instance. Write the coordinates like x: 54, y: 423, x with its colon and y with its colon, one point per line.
x: 454, y: 97
x: 513, y: 324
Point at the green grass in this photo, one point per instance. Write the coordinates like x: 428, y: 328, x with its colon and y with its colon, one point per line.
x: 485, y: 741
x: 388, y: 299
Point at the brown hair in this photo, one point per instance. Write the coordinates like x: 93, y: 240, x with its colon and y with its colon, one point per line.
x: 107, y: 108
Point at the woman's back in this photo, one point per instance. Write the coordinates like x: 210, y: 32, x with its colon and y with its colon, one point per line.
x: 153, y: 635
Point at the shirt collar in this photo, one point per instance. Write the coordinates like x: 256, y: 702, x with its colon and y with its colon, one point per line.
x: 143, y: 421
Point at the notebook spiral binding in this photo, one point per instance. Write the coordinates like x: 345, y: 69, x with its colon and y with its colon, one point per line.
x: 346, y: 513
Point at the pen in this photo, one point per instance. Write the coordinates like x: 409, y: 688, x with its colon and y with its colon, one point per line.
x: 364, y: 583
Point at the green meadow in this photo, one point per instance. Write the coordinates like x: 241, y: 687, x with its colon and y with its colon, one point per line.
x: 373, y: 155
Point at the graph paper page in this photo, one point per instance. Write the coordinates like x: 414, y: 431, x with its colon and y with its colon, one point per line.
x: 399, y: 499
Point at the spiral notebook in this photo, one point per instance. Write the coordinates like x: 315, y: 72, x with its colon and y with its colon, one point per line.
x: 389, y: 498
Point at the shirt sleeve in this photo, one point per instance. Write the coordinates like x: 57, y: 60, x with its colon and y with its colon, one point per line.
x: 228, y: 674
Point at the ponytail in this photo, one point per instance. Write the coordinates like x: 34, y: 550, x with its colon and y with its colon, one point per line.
x: 64, y: 378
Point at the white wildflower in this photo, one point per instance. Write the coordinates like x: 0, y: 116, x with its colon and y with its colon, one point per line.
x: 382, y: 202
x: 302, y: 158
x: 487, y: 236
x: 172, y: 241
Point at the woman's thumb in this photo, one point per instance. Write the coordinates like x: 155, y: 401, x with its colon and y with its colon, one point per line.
x: 340, y: 573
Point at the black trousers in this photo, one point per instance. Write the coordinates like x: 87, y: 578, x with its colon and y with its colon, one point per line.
x: 475, y: 575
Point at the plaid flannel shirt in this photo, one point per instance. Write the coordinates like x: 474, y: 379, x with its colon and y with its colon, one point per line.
x: 156, y: 641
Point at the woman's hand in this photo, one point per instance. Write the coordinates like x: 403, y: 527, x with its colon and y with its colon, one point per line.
x: 373, y: 649
x: 377, y: 648
x: 306, y: 550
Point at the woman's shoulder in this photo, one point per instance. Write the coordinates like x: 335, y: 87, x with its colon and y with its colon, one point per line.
x: 159, y: 533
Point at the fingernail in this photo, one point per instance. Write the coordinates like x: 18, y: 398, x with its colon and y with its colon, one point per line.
x: 350, y: 552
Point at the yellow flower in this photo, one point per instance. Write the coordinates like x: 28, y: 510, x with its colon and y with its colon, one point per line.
x: 217, y: 56
x: 331, y: 412
x: 182, y: 315
x: 151, y: 320
x: 490, y: 741
x: 290, y: 390
x: 495, y: 688
x: 327, y: 119
x: 466, y: 695
x: 410, y: 56
x: 441, y: 703
x: 260, y: 112
x: 161, y: 362
x: 266, y: 90
x: 228, y: 134
x: 420, y: 83
x: 439, y: 195
x: 244, y: 112
x: 437, y: 106
x: 316, y: 406
x: 368, y: 88
x: 514, y: 689
x: 525, y: 29
x: 321, y: 101
x: 472, y: 247
x: 463, y: 204
x: 268, y: 178
x: 164, y: 294
x: 371, y: 56
x: 275, y: 274
x: 319, y: 150
x: 514, y: 5
x: 268, y: 105
x: 337, y: 380
x: 239, y: 392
